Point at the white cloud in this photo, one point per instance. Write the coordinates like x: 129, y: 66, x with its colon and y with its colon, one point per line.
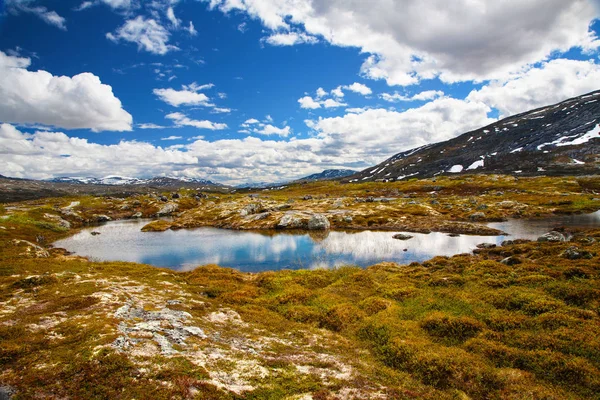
x: 172, y: 18
x: 338, y: 92
x: 172, y: 138
x: 309, y: 103
x: 220, y: 110
x: 351, y: 141
x: 553, y: 82
x: 181, y: 119
x: 47, y: 154
x: 191, y: 30
x: 321, y: 93
x: 290, y: 39
x: 252, y: 121
x: 77, y: 102
x: 464, y: 40
x: 84, y: 6
x: 123, y: 4
x: 148, y: 34
x: 50, y: 17
x: 151, y: 126
x: 422, y: 96
x: 359, y: 88
x: 273, y: 130
x: 332, y: 103
x: 188, y: 96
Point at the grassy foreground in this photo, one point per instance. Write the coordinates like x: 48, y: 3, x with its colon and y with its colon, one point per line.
x: 463, y: 327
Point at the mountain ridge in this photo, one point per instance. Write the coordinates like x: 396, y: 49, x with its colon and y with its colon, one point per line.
x: 558, y: 139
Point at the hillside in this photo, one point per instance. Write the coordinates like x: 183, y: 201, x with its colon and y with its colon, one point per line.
x: 561, y: 139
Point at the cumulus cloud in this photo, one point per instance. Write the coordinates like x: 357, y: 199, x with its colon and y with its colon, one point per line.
x: 551, y: 83
x: 359, y: 88
x: 172, y: 138
x: 78, y: 102
x: 181, y: 119
x: 354, y: 140
x: 189, y: 95
x: 422, y: 96
x: 410, y: 40
x: 148, y: 34
x: 47, y: 154
x: 309, y: 103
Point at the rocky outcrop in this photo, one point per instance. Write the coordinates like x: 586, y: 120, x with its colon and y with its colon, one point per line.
x: 303, y: 220
x: 553, y: 236
x: 318, y: 222
x: 167, y: 209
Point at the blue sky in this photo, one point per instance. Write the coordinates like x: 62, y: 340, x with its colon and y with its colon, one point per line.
x: 267, y: 90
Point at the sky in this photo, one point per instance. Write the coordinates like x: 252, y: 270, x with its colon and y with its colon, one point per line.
x: 240, y: 91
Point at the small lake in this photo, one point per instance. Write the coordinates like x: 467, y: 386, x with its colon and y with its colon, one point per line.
x: 253, y: 251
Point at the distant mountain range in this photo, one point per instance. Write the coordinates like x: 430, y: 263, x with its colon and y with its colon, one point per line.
x: 122, y: 180
x: 560, y: 139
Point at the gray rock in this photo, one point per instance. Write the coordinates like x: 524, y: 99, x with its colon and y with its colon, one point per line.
x: 507, y: 204
x: 347, y: 219
x: 307, y: 197
x: 58, y: 220
x: 137, y: 215
x: 402, y: 236
x: 486, y: 246
x: 292, y: 220
x: 163, y: 199
x: 552, y: 236
x: 512, y: 260
x: 318, y: 222
x: 94, y: 233
x: 102, y: 218
x: 574, y: 253
x: 478, y: 216
x: 175, y: 195
x: 7, y: 392
x: 252, y: 208
x: 257, y: 217
x: 167, y: 209
x: 482, y: 207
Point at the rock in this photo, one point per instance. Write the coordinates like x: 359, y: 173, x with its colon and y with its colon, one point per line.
x: 318, y: 222
x: 32, y: 250
x: 7, y: 392
x: 514, y: 241
x: 175, y: 195
x: 257, y: 217
x: 201, y: 195
x: 512, y: 260
x: 453, y: 234
x: 250, y: 209
x: 137, y: 215
x: 347, y: 219
x: 552, y: 236
x: 254, y: 195
x: 280, y: 207
x: 482, y: 207
x: 574, y: 253
x: 94, y: 233
x: 434, y: 202
x: 292, y: 220
x: 307, y: 197
x: 478, y: 216
x: 102, y: 218
x: 163, y: 199
x: 507, y: 204
x: 167, y: 209
x: 338, y: 203
x: 136, y: 203
x: 402, y: 236
x: 486, y: 246
x: 61, y: 222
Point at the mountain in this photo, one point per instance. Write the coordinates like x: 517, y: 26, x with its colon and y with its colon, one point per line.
x: 560, y: 139
x: 329, y: 174
x: 158, y: 181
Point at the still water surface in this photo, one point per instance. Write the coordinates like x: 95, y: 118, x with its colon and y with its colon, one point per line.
x: 261, y: 251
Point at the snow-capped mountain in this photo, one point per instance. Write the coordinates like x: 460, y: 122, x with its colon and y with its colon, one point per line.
x: 122, y: 180
x: 554, y: 140
x: 329, y: 174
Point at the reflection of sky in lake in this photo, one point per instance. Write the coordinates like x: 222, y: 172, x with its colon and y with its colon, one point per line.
x: 253, y: 251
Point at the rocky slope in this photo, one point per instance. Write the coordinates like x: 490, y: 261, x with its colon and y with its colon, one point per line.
x: 329, y: 174
x: 555, y: 140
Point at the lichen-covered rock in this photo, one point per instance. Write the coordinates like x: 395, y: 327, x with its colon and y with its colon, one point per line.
x: 478, y: 216
x: 252, y: 208
x: 318, y: 222
x: 292, y: 220
x: 58, y: 220
x: 553, y: 236
x: 167, y: 209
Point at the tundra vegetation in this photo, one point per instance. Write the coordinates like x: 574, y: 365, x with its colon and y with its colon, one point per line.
x: 518, y: 321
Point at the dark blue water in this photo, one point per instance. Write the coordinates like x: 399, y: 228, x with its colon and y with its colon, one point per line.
x: 261, y: 251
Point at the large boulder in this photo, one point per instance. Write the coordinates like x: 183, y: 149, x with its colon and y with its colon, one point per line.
x: 167, y: 209
x: 252, y: 208
x: 292, y: 220
x: 318, y: 222
x: 553, y: 236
